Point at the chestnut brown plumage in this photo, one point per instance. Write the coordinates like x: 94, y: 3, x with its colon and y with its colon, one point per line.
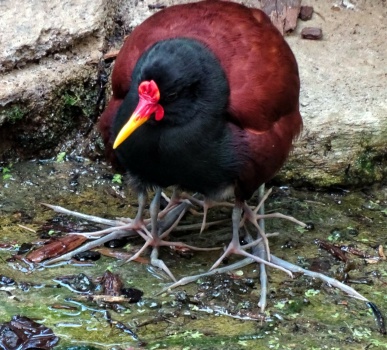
x: 205, y: 98
x: 212, y: 93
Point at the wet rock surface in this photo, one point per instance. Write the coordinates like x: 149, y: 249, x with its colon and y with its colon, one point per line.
x: 216, y: 312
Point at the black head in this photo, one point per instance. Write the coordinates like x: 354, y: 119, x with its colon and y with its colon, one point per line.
x: 190, y: 79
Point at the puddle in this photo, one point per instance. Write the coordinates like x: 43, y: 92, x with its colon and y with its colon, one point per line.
x: 302, y: 313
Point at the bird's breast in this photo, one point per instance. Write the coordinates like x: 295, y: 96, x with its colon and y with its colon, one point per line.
x: 209, y: 163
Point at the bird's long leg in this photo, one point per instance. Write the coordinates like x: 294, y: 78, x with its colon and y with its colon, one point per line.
x: 234, y: 246
x: 260, y: 250
x: 256, y: 218
x: 151, y: 237
x: 153, y: 231
x: 178, y: 197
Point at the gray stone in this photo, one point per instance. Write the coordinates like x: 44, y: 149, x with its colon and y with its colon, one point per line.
x: 46, y: 48
x: 49, y: 55
x: 32, y: 29
x: 343, y: 96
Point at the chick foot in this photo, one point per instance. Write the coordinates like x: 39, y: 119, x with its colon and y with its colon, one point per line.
x: 160, y: 229
x: 153, y: 230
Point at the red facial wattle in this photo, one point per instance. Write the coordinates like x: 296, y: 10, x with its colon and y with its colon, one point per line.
x: 149, y: 96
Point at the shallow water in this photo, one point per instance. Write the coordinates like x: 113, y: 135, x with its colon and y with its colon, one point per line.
x: 302, y: 313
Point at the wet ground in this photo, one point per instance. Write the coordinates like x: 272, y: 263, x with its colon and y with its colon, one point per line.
x: 302, y: 313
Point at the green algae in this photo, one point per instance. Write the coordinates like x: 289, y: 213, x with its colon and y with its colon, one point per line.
x: 32, y: 128
x: 14, y: 113
x: 346, y: 160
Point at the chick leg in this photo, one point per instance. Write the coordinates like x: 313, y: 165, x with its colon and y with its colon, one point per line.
x: 254, y: 217
x: 142, y: 198
x: 160, y: 229
x: 153, y: 231
x: 152, y: 238
x: 206, y: 204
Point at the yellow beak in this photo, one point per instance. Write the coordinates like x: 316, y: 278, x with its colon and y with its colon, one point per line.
x: 149, y: 96
x: 135, y: 121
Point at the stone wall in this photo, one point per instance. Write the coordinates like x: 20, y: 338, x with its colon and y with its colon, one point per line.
x: 53, y: 81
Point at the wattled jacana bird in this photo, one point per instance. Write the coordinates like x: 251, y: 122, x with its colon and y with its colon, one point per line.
x: 205, y: 98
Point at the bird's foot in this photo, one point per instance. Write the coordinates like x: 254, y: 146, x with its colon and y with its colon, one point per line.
x: 161, y: 224
x: 189, y: 279
x: 119, y: 228
x: 254, y: 215
x: 156, y: 262
x: 278, y: 263
x: 154, y: 257
x: 158, y: 241
x: 235, y: 248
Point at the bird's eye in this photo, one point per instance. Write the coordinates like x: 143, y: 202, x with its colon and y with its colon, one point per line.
x: 171, y: 97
